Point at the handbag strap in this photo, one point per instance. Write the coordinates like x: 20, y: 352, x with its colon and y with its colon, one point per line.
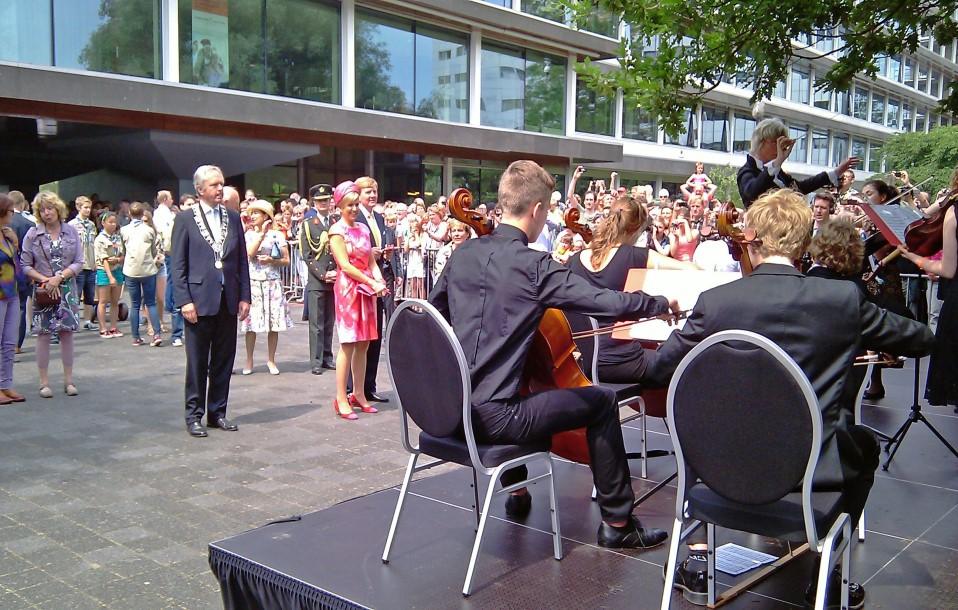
x: 44, y: 252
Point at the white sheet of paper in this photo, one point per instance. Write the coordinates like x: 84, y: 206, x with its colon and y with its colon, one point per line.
x: 683, y: 286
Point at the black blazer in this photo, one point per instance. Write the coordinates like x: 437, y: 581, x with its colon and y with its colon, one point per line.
x: 196, y: 280
x: 822, y: 324
x: 754, y: 182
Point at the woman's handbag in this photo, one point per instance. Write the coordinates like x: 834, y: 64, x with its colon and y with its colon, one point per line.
x: 43, y: 299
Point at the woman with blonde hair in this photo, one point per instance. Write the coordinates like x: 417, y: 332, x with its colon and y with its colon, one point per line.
x: 606, y: 264
x: 52, y: 257
x: 415, y: 267
x: 268, y: 312
x: 358, y: 283
x: 458, y: 234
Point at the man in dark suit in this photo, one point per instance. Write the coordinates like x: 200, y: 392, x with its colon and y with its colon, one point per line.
x: 211, y: 287
x: 368, y: 195
x: 314, y: 246
x: 763, y: 171
x: 822, y: 324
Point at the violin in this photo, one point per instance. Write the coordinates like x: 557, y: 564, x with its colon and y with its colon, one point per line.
x: 725, y: 220
x: 924, y: 236
x: 551, y: 362
x: 571, y: 219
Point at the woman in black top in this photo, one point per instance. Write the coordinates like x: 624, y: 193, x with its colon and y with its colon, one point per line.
x: 606, y: 264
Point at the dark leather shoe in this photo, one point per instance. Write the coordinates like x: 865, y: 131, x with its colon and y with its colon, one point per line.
x: 630, y: 536
x: 374, y: 397
x: 317, y: 370
x: 196, y: 429
x: 518, y: 507
x: 833, y: 598
x: 692, y: 578
x: 329, y: 365
x: 874, y: 393
x: 224, y: 424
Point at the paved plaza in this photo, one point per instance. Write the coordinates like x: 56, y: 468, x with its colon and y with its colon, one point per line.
x: 106, y: 502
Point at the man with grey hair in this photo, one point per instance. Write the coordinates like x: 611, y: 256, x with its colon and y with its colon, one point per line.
x: 763, y: 171
x: 212, y: 289
x: 231, y: 199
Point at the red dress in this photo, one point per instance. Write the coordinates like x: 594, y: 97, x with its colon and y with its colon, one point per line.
x: 355, y: 312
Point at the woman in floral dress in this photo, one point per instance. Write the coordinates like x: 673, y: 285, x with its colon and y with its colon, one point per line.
x: 358, y: 283
x: 52, y: 256
x: 268, y: 311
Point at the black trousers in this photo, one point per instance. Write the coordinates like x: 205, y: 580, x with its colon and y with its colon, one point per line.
x: 860, y: 454
x: 210, y: 351
x: 539, y: 416
x: 372, y: 353
x: 322, y: 314
x: 628, y: 371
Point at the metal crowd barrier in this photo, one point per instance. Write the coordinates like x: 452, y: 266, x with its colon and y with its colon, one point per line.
x: 293, y: 276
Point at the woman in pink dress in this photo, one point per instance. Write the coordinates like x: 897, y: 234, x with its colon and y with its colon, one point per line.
x: 358, y: 283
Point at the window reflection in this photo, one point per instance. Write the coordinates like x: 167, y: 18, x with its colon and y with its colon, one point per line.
x: 522, y: 89
x: 687, y: 137
x: 800, y: 150
x: 637, y: 123
x: 714, y: 128
x: 744, y: 126
x: 594, y: 112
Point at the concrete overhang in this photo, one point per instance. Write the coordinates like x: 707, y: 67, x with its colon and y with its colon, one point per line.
x: 133, y: 102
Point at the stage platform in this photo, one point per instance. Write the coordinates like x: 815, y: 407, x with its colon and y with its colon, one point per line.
x: 331, y: 558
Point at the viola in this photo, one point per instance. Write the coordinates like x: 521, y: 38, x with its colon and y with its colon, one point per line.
x: 571, y: 219
x: 738, y: 239
x: 551, y: 363
x: 924, y: 236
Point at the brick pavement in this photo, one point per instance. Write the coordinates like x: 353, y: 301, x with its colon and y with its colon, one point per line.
x: 106, y: 502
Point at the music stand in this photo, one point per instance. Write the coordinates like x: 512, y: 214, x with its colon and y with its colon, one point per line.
x: 914, y: 415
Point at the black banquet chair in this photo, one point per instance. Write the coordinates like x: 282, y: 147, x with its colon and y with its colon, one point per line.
x: 431, y: 380
x: 742, y: 447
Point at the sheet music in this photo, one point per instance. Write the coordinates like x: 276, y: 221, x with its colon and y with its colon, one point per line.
x: 891, y: 220
x: 683, y: 286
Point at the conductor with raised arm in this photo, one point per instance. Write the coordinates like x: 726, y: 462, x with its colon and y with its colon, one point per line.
x: 211, y: 288
x: 763, y: 171
x: 493, y: 292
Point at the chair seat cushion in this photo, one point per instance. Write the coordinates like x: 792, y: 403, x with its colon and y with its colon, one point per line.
x: 454, y: 449
x: 623, y: 391
x: 782, y: 519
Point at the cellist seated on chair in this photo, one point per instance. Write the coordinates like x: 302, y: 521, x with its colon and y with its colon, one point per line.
x: 822, y: 324
x: 494, y: 292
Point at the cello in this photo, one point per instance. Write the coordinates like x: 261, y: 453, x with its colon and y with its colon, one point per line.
x: 738, y: 239
x: 551, y: 362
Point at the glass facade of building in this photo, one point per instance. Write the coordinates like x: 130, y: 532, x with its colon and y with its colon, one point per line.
x: 119, y: 37
x: 522, y: 89
x: 594, y: 112
x: 248, y: 45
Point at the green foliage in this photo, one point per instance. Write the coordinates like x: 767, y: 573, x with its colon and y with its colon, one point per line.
x: 682, y: 49
x: 724, y: 177
x: 923, y: 155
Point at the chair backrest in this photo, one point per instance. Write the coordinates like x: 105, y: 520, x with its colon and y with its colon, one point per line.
x: 588, y: 346
x: 428, y: 370
x: 745, y: 421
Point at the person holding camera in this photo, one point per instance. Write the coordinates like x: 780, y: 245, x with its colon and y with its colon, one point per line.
x: 268, y: 312
x: 763, y: 171
x: 314, y: 246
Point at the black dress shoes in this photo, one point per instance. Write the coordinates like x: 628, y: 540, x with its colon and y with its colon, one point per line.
x: 518, y: 506
x: 196, y: 429
x: 374, y: 397
x: 329, y: 365
x: 224, y: 424
x: 317, y: 370
x: 630, y: 536
x: 692, y: 578
x: 833, y: 597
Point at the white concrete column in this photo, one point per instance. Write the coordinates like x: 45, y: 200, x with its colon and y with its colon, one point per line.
x: 617, y: 113
x: 475, y: 76
x: 517, y: 5
x: 348, y: 56
x: 570, y: 78
x: 446, y: 176
x: 170, y: 40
